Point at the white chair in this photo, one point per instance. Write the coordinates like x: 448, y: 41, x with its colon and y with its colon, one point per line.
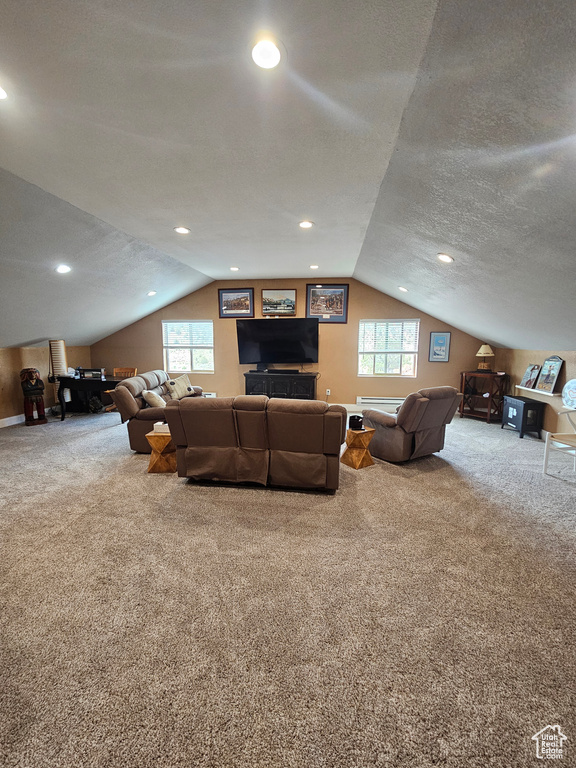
x: 565, y: 442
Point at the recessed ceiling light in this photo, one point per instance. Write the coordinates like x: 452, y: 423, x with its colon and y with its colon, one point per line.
x: 182, y: 230
x: 401, y: 288
x: 266, y: 54
x: 151, y: 293
x: 3, y: 94
x: 234, y: 269
x: 306, y: 224
x: 445, y: 258
x: 63, y: 268
x: 313, y: 266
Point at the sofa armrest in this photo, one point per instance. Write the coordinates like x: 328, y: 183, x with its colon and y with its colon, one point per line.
x: 380, y: 418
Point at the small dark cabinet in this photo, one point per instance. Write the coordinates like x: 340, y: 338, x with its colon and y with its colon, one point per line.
x: 523, y: 414
x: 300, y: 386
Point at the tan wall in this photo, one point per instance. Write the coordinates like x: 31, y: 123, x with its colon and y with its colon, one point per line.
x: 13, y: 359
x: 140, y: 344
x: 516, y: 361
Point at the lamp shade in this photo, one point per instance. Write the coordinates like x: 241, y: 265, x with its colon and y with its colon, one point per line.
x: 58, y: 364
x: 485, y: 351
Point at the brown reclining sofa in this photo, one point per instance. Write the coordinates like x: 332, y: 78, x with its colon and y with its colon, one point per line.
x: 127, y: 396
x: 256, y: 439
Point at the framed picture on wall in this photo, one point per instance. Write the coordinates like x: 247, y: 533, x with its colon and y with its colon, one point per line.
x: 439, y: 348
x: 329, y: 303
x: 236, y: 302
x: 278, y: 302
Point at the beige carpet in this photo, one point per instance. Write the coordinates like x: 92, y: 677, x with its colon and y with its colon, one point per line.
x: 422, y: 616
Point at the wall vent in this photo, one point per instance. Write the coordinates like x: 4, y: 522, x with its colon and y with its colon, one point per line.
x: 381, y: 403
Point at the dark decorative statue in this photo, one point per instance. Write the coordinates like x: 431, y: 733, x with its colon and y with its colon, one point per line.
x: 33, y: 389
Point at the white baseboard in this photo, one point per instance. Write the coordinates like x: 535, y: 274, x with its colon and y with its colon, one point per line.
x: 11, y: 420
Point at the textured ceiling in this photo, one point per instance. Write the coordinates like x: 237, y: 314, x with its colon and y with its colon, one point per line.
x: 400, y: 129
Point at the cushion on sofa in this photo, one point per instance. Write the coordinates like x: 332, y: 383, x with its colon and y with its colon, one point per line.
x: 180, y: 387
x: 153, y: 399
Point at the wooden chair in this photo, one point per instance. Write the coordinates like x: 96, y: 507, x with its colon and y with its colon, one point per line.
x: 120, y: 373
x: 564, y: 442
x: 124, y: 373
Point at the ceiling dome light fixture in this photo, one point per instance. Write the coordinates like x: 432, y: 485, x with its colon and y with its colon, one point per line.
x: 266, y: 54
x: 3, y: 94
x: 306, y: 224
x: 314, y: 266
x: 63, y: 268
x: 401, y: 288
x: 445, y: 258
x: 234, y: 269
x: 182, y: 230
x: 151, y: 293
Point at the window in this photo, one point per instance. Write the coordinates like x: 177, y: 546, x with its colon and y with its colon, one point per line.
x: 188, y: 346
x: 388, y: 347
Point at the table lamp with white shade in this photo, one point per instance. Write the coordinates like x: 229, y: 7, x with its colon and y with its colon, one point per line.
x: 484, y: 352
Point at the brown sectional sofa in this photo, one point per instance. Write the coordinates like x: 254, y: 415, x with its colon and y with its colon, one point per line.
x: 253, y: 438
x: 127, y: 397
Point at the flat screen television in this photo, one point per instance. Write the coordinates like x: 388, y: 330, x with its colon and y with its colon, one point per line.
x: 277, y: 340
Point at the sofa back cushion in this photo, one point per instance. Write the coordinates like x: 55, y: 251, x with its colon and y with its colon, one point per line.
x: 202, y: 421
x: 250, y: 415
x: 296, y: 425
x: 222, y: 439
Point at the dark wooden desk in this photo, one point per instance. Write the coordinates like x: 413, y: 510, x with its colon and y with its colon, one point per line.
x: 85, y: 386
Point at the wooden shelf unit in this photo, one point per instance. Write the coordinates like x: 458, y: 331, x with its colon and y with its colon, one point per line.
x: 483, y: 394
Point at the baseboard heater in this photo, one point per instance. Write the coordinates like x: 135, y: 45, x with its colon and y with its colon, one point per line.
x: 381, y: 403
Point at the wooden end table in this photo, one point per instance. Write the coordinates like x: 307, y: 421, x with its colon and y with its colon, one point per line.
x: 357, y: 454
x: 163, y: 457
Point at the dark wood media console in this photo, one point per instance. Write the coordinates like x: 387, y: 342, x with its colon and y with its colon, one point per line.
x: 300, y: 386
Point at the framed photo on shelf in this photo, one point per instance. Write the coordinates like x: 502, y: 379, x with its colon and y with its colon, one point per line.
x: 279, y: 302
x: 549, y: 373
x: 439, y: 348
x: 236, y: 302
x: 329, y: 303
x: 530, y: 376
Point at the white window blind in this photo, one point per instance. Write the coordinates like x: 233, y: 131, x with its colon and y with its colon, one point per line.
x: 188, y: 346
x: 388, y: 347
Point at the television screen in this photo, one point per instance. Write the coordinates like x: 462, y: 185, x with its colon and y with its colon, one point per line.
x: 277, y: 340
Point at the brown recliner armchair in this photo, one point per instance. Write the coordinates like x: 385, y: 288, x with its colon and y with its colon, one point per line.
x: 417, y: 429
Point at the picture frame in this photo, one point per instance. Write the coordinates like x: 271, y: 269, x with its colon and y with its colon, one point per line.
x: 439, y: 351
x: 530, y: 376
x: 327, y: 302
x: 549, y: 373
x: 279, y: 301
x: 236, y: 302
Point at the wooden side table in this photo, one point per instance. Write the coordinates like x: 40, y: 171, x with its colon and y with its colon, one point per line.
x: 357, y: 454
x: 163, y: 457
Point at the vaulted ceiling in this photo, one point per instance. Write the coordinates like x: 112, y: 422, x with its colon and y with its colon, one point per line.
x: 400, y: 129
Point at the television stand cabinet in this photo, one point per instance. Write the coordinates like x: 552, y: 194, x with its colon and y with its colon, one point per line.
x: 300, y: 386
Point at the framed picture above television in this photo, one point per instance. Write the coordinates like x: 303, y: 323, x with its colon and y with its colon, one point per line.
x: 279, y: 302
x: 236, y: 302
x: 329, y: 303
